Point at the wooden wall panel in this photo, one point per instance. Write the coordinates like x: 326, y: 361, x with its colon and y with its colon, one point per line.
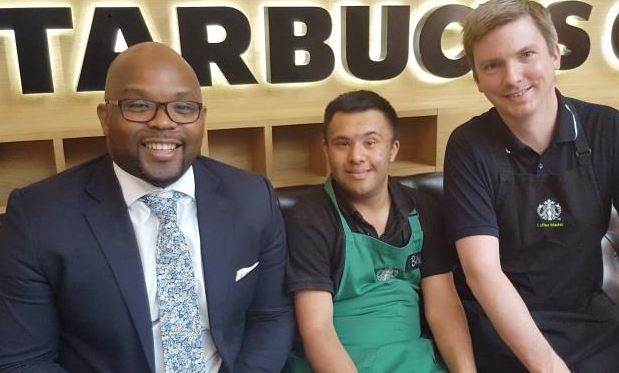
x: 67, y: 119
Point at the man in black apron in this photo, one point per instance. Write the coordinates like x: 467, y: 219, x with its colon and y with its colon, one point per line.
x: 529, y: 186
x: 363, y: 249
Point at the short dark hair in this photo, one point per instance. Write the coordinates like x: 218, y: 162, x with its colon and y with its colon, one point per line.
x: 496, y: 13
x: 359, y: 101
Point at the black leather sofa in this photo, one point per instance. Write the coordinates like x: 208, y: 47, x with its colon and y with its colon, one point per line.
x: 433, y: 184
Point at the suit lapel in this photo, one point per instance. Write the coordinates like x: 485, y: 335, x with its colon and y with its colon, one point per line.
x: 216, y: 224
x: 111, y: 225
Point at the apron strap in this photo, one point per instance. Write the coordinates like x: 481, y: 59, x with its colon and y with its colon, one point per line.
x: 583, y: 151
x: 414, y: 223
x: 413, y: 216
x: 328, y: 187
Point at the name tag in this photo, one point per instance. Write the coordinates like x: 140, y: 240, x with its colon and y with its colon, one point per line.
x: 413, y: 262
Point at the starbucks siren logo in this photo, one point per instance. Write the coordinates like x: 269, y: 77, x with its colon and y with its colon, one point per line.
x: 549, y: 210
x: 386, y: 274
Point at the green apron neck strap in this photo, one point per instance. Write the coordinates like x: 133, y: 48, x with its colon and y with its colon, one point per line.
x: 413, y: 221
x: 413, y: 216
x: 328, y: 187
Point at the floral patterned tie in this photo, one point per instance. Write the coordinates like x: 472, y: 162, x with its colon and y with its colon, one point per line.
x: 181, y: 329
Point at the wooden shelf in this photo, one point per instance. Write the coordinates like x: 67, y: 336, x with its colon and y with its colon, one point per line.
x: 22, y: 163
x: 402, y: 168
x: 296, y: 177
x: 240, y: 147
x: 287, y: 151
x: 418, y: 139
x: 297, y: 155
x: 80, y: 150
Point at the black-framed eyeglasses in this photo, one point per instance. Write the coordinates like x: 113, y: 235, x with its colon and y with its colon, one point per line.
x: 143, y: 111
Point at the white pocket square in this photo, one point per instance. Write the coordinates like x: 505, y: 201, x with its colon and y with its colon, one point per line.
x: 244, y: 271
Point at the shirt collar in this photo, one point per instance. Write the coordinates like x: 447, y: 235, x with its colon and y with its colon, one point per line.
x: 395, y: 192
x: 133, y: 187
x: 566, y: 130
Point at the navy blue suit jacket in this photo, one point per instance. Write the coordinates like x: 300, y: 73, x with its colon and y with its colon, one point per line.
x: 72, y: 289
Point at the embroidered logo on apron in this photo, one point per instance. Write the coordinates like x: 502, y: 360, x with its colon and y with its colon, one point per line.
x: 386, y: 274
x: 549, y: 212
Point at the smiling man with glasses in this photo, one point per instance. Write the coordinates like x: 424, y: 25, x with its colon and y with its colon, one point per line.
x: 151, y: 258
x: 143, y: 111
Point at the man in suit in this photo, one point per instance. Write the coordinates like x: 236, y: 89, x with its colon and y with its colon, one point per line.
x: 85, y: 283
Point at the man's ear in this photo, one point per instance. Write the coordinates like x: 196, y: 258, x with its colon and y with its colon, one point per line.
x: 395, y: 148
x: 103, y: 113
x: 556, y: 57
x: 325, y: 147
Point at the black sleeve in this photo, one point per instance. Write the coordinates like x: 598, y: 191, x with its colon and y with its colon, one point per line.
x: 315, y: 252
x: 437, y: 256
x: 469, y: 187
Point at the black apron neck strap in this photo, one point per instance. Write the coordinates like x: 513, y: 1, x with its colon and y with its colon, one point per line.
x: 583, y: 151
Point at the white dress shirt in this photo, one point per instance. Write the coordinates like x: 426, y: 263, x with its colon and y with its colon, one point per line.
x: 145, y: 226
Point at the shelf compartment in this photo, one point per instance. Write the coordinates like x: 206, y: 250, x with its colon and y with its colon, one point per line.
x: 22, y: 163
x: 240, y: 147
x: 418, y: 139
x: 297, y: 155
x: 80, y: 150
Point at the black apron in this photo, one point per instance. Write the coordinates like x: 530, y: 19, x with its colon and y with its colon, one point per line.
x: 549, y: 236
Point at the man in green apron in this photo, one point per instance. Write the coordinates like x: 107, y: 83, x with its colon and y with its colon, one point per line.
x: 529, y: 186
x: 363, y: 250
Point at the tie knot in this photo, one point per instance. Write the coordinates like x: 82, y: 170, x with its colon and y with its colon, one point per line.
x: 164, y: 208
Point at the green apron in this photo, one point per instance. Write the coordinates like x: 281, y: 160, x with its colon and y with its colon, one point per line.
x: 377, y: 307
